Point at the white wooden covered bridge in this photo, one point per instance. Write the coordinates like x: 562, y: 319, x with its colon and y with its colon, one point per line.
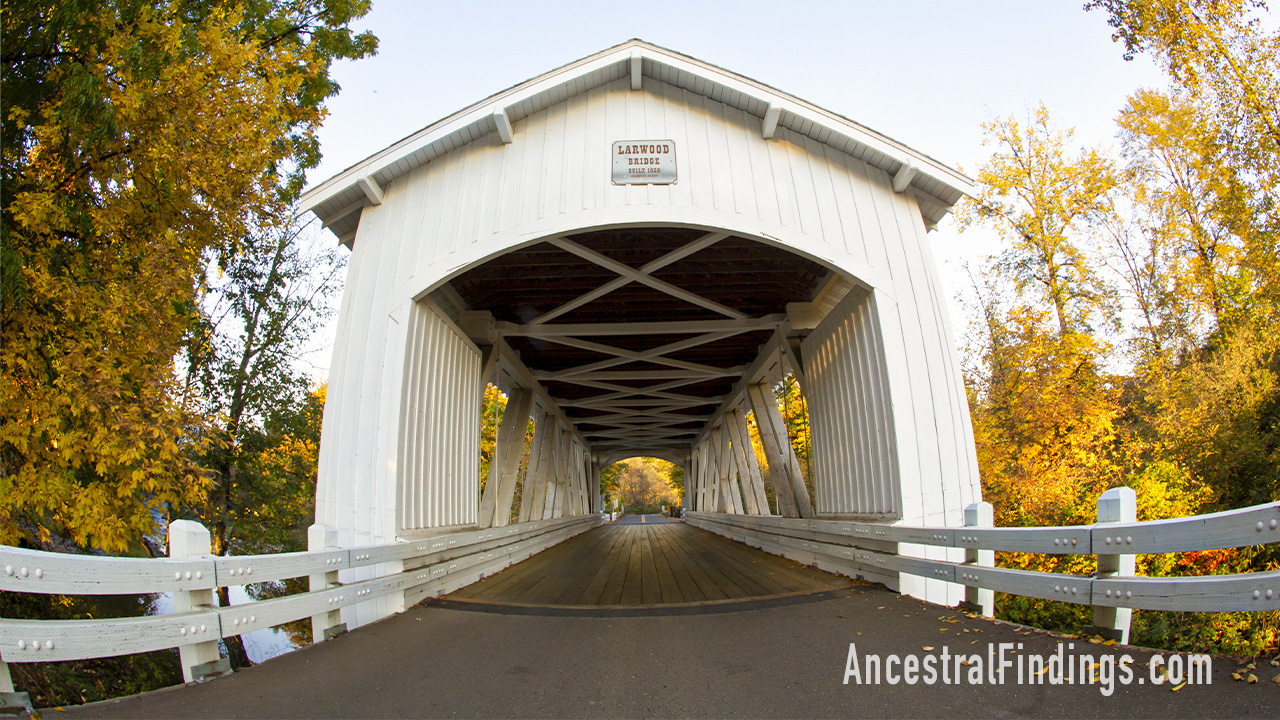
x: 635, y: 247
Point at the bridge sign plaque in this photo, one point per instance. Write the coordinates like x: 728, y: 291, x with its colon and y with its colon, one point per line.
x: 644, y: 162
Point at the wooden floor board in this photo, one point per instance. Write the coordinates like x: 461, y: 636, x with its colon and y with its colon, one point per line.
x: 647, y: 564
x: 689, y: 589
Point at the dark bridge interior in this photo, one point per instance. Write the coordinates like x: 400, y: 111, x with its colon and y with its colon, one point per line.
x: 639, y: 334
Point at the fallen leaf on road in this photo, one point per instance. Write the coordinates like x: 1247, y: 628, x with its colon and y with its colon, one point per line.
x: 1236, y: 676
x: 1178, y: 687
x: 1252, y: 678
x: 927, y: 648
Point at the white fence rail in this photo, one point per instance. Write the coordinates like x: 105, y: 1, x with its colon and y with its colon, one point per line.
x: 872, y: 551
x: 442, y: 563
x: 430, y: 566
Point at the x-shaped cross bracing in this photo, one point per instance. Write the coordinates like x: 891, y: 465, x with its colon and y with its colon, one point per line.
x: 640, y: 414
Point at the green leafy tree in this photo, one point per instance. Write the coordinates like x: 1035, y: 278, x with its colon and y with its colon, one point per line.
x: 260, y: 306
x: 137, y: 139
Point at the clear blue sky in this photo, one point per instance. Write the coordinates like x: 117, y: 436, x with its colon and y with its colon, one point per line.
x: 927, y: 73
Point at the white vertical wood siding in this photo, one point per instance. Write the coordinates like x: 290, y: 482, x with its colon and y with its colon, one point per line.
x: 855, y: 462
x: 486, y: 198
x: 439, y: 427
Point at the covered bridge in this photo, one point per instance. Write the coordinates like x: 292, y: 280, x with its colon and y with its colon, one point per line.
x: 635, y: 247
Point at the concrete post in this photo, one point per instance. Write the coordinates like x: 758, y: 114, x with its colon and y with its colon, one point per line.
x: 189, y: 539
x: 979, y: 600
x: 323, y: 537
x: 1117, y: 505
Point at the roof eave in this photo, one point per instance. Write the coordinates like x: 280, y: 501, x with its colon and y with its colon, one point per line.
x: 479, y: 119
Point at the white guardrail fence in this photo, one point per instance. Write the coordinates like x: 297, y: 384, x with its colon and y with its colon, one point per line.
x: 871, y: 551
x: 411, y: 571
x: 406, y: 571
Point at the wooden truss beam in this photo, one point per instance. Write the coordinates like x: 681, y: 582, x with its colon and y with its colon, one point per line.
x: 676, y: 327
x: 678, y: 254
x: 633, y: 275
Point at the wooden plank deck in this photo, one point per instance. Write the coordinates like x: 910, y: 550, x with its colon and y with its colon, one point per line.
x: 647, y: 565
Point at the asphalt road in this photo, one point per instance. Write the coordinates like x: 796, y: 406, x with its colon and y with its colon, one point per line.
x: 779, y: 659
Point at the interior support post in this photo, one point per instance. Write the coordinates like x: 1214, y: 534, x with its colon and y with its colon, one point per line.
x: 530, y: 490
x: 543, y: 477
x: 731, y: 498
x: 784, y: 468
x: 500, y: 488
x: 712, y: 476
x: 755, y: 500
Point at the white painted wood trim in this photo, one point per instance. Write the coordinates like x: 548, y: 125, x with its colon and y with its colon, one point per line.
x: 371, y: 189
x: 902, y: 179
x: 502, y: 123
x: 769, y: 125
x: 637, y: 65
x: 802, y: 111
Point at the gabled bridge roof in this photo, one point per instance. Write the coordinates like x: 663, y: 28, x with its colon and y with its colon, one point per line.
x: 336, y: 201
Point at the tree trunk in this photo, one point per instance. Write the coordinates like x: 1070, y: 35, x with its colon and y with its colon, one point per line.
x: 235, y: 644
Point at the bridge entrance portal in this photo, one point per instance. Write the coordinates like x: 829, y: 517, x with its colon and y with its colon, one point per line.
x: 640, y: 313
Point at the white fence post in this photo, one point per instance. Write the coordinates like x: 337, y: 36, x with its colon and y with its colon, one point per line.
x: 12, y: 703
x: 1117, y: 505
x: 979, y: 600
x: 190, y: 539
x: 326, y: 624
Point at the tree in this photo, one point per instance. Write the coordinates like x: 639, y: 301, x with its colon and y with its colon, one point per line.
x: 259, y: 308
x: 1039, y: 197
x: 1225, y: 66
x: 1043, y: 415
x: 492, y: 407
x: 795, y: 416
x: 1184, y: 184
x: 1189, y: 230
x: 1217, y: 49
x: 644, y: 484
x: 137, y: 139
